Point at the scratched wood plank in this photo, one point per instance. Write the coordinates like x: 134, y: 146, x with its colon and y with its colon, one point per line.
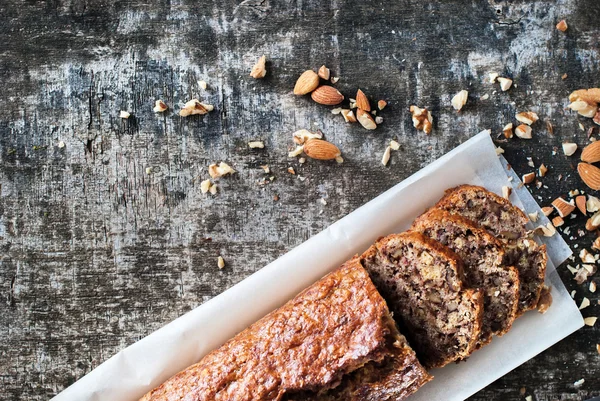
x: 108, y: 238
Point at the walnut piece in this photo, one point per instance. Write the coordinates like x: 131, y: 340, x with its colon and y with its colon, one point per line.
x: 422, y: 119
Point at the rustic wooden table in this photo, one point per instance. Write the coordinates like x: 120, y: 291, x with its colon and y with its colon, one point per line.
x: 108, y: 238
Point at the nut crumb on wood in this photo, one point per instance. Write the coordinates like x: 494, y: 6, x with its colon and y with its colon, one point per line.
x: 259, y: 70
x: 493, y: 76
x: 386, y: 156
x: 527, y: 117
x: 365, y: 119
x: 256, y: 145
x: 381, y: 104
x: 324, y: 73
x: 159, y: 106
x: 523, y: 131
x: 296, y: 152
x: 304, y: 135
x: 542, y: 170
x: 421, y: 118
x: 291, y: 170
x: 216, y: 171
x: 460, y: 99
x: 203, y: 85
x: 266, y: 169
x: 205, y: 186
x: 213, y: 189
x: 124, y: 114
x: 348, y: 115
x: 220, y: 262
x: 394, y: 145
x: 562, y: 26
x: 505, y: 83
x: 508, y: 130
x: 195, y: 107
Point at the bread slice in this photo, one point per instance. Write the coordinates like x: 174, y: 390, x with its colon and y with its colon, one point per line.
x: 310, y: 345
x: 422, y: 282
x: 483, y: 258
x: 507, y: 222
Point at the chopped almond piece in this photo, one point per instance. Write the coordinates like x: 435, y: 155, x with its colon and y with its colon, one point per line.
x: 505, y: 83
x: 533, y: 216
x: 220, y: 262
x: 386, y: 156
x: 348, y: 115
x: 460, y: 99
x: 506, y: 191
x: 381, y: 104
x: 593, y: 223
x: 394, y: 145
x: 124, y: 114
x: 563, y: 207
x: 523, y: 131
x: 508, y: 130
x: 562, y: 26
x: 528, y: 178
x: 291, y: 170
x: 219, y: 171
x: 542, y: 170
x: 159, y: 106
x: 205, y: 186
x: 256, y: 145
x: 590, y: 321
x: 580, y: 202
x: 592, y: 204
x: 547, y: 210
x: 527, y: 117
x: 259, y: 70
x: 569, y: 148
x: 557, y: 221
x: 324, y: 73
x: 584, y: 304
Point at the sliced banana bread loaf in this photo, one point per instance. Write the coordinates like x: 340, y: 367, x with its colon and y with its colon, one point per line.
x: 422, y: 281
x: 483, y: 257
x: 506, y: 222
x: 335, y: 327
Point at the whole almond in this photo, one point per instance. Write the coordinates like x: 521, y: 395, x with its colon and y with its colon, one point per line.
x: 591, y: 153
x: 365, y: 119
x: 590, y: 175
x: 308, y: 82
x: 327, y: 95
x: 362, y: 102
x: 321, y: 150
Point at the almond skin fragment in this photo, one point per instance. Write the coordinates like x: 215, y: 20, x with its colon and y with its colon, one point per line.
x: 306, y: 83
x: 365, y: 119
x: 362, y: 102
x: 591, y: 153
x: 590, y: 175
x: 327, y: 95
x: 321, y: 150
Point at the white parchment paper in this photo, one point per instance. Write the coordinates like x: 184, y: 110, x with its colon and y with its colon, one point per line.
x: 147, y: 363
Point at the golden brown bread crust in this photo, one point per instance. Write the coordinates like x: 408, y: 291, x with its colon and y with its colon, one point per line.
x: 458, y: 197
x: 433, y: 219
x: 333, y: 327
x: 384, y: 272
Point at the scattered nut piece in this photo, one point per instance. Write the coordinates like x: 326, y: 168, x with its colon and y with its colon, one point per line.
x: 523, y: 131
x: 386, y: 156
x: 592, y: 204
x: 381, y: 104
x: 220, y: 262
x: 324, y: 73
x: 563, y: 207
x: 323, y: 201
x: 545, y: 300
x: 306, y: 83
x: 583, y: 108
x: 562, y: 26
x: 291, y: 170
x: 205, y: 186
x: 422, y: 119
x: 302, y: 160
x: 589, y: 321
x: 508, y: 130
x: 365, y: 119
x: 304, y: 135
x: 334, y: 80
x: 266, y: 169
x: 124, y: 114
x: 547, y: 231
x: 586, y: 256
x: 547, y: 210
x: 584, y: 303
x: 506, y: 191
x: 569, y: 148
x: 542, y: 170
x: 296, y: 152
x: 348, y: 116
x: 558, y: 221
x: 596, y: 244
x: 460, y: 99
x: 533, y: 216
x: 378, y: 120
x: 159, y: 106
x: 499, y: 150
x: 527, y: 117
x: 339, y: 159
x: 336, y: 111
x: 505, y: 83
x: 203, y: 85
x: 362, y: 102
x: 593, y: 223
x: 394, y: 145
x: 580, y: 203
x: 321, y: 150
x: 564, y: 76
x: 219, y: 171
x: 529, y: 398
x: 596, y: 119
x: 528, y: 178
x: 213, y: 189
x: 256, y: 145
x: 194, y: 107
x: 149, y: 170
x: 592, y: 286
x: 493, y: 76
x: 61, y: 144
x: 485, y: 97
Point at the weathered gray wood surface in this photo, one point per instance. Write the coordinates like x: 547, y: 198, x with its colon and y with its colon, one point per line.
x: 96, y: 253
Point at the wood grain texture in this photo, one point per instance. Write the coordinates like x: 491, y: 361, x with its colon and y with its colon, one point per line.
x: 96, y: 253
